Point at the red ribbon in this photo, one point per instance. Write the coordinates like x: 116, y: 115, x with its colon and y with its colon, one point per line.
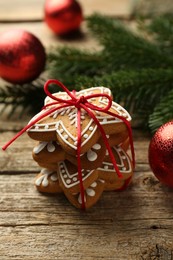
x: 81, y: 102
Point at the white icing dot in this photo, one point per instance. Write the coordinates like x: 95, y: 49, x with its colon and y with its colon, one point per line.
x: 39, y: 147
x: 91, y: 155
x: 85, y: 136
x: 107, y: 136
x: 54, y: 177
x: 90, y: 192
x: 107, y: 153
x: 94, y: 184
x: 91, y: 128
x: 65, y: 175
x: 39, y: 181
x: 61, y: 131
x: 124, y: 168
x: 50, y: 147
x: 106, y: 167
x: 65, y: 137
x: 45, y: 182
x: 123, y: 157
x: 46, y: 127
x: 75, y: 143
x: 82, y: 170
x: 101, y: 180
x: 74, y: 178
x: 62, y: 171
x: 61, y: 166
x: 68, y: 181
x: 36, y: 127
x: 97, y: 146
x: 57, y: 125
x: 105, y: 120
x: 80, y: 199
x: 83, y: 117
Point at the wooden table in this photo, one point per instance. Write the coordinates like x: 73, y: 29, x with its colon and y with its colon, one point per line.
x: 133, y: 224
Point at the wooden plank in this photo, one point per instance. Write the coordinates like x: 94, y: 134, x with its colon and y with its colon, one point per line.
x: 132, y: 224
x: 34, y: 10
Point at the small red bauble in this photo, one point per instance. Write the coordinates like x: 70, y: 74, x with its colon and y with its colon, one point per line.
x: 63, y: 16
x: 22, y: 56
x: 161, y: 154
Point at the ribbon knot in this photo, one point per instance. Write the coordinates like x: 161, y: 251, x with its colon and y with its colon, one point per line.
x: 81, y: 102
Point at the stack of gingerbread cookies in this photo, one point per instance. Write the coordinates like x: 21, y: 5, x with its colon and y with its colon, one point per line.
x: 56, y: 149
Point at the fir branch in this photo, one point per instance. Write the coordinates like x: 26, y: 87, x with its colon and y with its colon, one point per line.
x: 161, y: 29
x: 163, y: 112
x: 66, y: 64
x: 29, y: 97
x: 124, y: 49
x: 145, y: 86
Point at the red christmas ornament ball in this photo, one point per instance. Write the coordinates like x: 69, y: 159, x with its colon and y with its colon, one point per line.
x: 63, y: 16
x: 22, y: 56
x: 161, y: 154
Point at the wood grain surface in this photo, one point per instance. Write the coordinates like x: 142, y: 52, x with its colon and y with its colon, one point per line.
x: 133, y: 224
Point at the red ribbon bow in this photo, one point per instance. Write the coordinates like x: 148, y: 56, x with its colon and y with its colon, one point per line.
x: 81, y: 102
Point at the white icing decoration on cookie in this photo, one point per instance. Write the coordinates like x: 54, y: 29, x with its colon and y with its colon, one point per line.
x: 43, y: 179
x: 61, y: 130
x: 74, y: 139
x: 63, y: 112
x: 122, y: 156
x: 39, y: 147
x: 91, y: 155
x: 90, y: 192
x: 96, y: 146
x: 65, y: 175
x: 80, y: 199
x: 68, y: 181
x: 50, y: 147
x: 102, y: 181
x: 54, y: 177
x: 94, y: 184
